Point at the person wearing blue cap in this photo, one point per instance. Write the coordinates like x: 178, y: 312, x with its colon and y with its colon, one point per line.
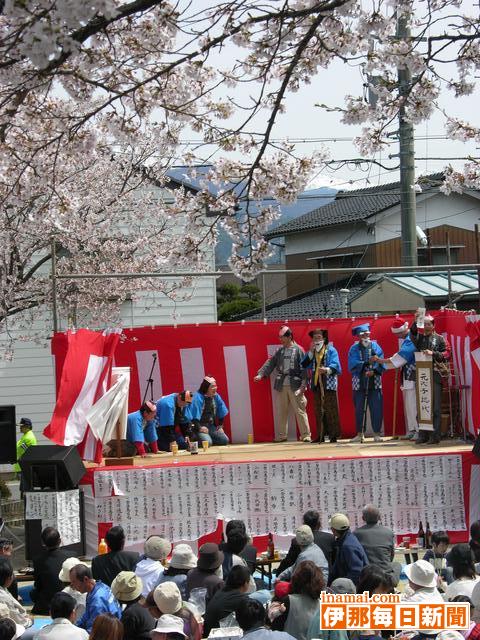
x: 366, y: 382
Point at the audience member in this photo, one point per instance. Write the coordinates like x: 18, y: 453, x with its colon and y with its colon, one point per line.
x: 9, y: 629
x: 475, y: 611
x: 62, y: 612
x: 46, y: 568
x: 302, y: 603
x: 378, y: 541
x: 15, y: 609
x: 106, y: 566
x: 440, y: 542
x: 100, y: 598
x: 169, y: 628
x: 208, y: 573
x: 249, y: 552
x: 308, y: 551
x: 475, y: 539
x: 183, y: 559
x: 64, y: 577
x: 106, y: 627
x: 250, y: 616
x: 342, y: 586
x: 322, y: 539
x: 6, y: 550
x: 168, y: 600
x: 236, y: 540
x: 375, y: 580
x: 136, y: 619
x: 422, y: 581
x: 462, y: 561
x: 350, y: 556
x: 150, y: 568
x: 227, y: 600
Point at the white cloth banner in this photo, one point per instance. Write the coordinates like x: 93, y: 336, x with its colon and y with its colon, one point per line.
x: 59, y: 509
x: 111, y: 408
x: 424, y: 380
x: 184, y: 503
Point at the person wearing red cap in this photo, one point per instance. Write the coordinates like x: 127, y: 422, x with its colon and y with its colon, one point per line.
x: 141, y: 428
x: 435, y: 345
x: 290, y: 383
x: 404, y: 359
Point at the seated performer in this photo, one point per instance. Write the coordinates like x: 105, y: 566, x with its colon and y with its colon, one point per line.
x: 322, y: 359
x: 366, y: 381
x: 170, y: 417
x: 141, y: 428
x: 207, y: 412
x: 405, y: 359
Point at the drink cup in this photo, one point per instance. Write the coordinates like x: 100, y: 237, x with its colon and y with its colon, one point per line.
x: 205, y: 445
x: 193, y: 448
x: 175, y: 448
x: 250, y: 438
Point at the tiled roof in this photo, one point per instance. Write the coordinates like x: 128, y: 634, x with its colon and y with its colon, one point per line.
x: 319, y: 303
x: 351, y: 206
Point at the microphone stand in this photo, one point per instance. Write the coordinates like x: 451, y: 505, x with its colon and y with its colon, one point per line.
x: 150, y: 380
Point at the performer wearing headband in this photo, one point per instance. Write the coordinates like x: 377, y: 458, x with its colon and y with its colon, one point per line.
x: 435, y: 345
x: 172, y: 423
x: 141, y: 428
x: 322, y: 359
x: 290, y: 383
x: 405, y: 359
x: 207, y: 412
x: 366, y: 382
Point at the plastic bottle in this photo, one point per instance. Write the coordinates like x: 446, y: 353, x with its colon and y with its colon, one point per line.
x: 102, y: 547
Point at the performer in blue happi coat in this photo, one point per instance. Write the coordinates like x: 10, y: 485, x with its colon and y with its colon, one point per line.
x: 366, y: 380
x: 404, y: 359
x: 323, y: 362
x: 173, y: 425
x: 141, y: 428
x: 207, y: 412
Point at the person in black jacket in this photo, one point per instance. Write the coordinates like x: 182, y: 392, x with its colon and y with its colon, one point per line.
x: 107, y: 566
x: 226, y: 600
x: 235, y: 532
x: 46, y: 568
x: 322, y: 539
x: 136, y: 619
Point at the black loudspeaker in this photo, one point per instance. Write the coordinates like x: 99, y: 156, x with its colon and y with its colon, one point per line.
x: 8, y: 435
x: 51, y: 467
x: 476, y: 447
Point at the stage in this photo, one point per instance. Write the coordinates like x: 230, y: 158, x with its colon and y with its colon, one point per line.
x: 292, y: 450
x: 269, y: 486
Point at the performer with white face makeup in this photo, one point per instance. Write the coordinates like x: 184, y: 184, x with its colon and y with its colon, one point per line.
x: 366, y: 382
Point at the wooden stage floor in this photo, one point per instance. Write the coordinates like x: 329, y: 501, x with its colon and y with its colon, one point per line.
x: 301, y: 451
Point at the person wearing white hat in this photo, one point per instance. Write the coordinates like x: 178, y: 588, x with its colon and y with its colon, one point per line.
x: 183, y: 559
x: 64, y: 576
x: 404, y: 359
x: 150, y: 568
x: 168, y: 624
x: 290, y: 384
x: 422, y: 580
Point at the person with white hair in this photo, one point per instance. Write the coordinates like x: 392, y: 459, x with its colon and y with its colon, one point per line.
x: 378, y: 541
x: 290, y: 384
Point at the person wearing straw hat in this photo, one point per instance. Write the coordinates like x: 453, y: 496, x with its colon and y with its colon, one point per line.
x: 64, y: 577
x: 136, y: 619
x: 141, y: 428
x: 404, y: 359
x: 183, y: 559
x: 422, y: 581
x: 290, y: 384
x: 150, y: 568
x: 323, y: 361
x: 366, y: 381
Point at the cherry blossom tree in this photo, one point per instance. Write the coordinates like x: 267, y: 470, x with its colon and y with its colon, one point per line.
x: 95, y: 95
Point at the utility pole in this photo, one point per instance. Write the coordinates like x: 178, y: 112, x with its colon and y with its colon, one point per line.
x: 407, y: 162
